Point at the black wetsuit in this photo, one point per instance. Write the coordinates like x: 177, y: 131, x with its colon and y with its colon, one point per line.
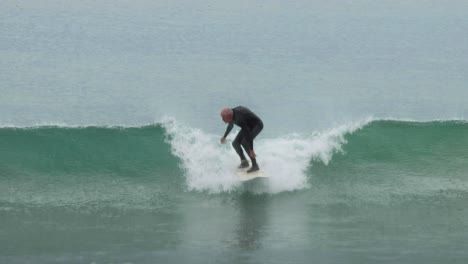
x: 251, y: 126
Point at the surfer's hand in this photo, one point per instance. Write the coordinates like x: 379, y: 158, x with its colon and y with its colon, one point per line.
x: 223, y: 140
x: 252, y: 154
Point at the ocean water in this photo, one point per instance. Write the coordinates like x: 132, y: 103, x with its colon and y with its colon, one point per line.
x: 110, y: 127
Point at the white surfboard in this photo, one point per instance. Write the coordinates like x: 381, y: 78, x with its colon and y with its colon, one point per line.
x: 244, y: 176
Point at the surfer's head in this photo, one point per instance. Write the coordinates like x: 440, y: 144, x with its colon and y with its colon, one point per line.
x: 226, y: 114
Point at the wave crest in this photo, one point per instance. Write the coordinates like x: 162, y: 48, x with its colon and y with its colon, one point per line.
x: 211, y: 166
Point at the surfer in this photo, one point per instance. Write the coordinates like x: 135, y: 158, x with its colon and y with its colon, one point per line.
x: 250, y: 125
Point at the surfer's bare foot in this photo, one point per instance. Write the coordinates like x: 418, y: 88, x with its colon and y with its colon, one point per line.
x: 244, y: 164
x: 253, y: 168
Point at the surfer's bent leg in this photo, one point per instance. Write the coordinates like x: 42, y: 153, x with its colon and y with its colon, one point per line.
x: 255, y: 131
x: 236, y: 144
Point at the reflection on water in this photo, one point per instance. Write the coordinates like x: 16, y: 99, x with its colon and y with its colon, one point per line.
x: 253, y: 219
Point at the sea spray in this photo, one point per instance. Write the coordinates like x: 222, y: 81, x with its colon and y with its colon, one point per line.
x: 211, y: 166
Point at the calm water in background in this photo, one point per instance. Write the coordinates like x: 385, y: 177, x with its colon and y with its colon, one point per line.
x: 109, y: 116
x: 307, y: 63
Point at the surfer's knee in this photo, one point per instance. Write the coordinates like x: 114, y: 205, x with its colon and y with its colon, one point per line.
x: 235, y: 144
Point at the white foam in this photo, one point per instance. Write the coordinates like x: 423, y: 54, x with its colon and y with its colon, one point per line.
x: 211, y: 166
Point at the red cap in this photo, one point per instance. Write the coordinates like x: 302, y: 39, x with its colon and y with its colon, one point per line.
x: 227, y: 114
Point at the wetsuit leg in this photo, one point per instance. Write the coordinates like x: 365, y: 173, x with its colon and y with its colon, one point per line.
x: 236, y: 144
x: 254, y: 132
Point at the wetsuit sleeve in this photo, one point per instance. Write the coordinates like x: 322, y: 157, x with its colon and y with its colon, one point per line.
x: 228, y: 129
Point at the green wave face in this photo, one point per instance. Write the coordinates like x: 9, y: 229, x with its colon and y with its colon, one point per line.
x: 89, y: 167
x: 89, y: 150
x: 424, y: 148
x: 390, y: 160
x: 389, y: 157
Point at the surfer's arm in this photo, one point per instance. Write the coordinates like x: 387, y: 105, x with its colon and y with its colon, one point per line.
x: 228, y: 129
